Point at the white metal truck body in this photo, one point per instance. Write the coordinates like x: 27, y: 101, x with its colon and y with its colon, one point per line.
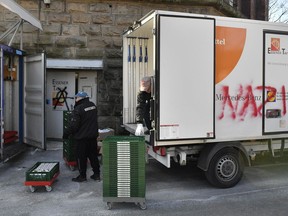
x: 216, y: 81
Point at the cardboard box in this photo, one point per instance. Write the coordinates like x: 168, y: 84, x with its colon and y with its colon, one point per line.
x: 10, y: 73
x: 103, y: 133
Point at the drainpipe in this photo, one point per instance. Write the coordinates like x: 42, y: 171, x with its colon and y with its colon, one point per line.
x: 38, y: 32
x: 252, y: 9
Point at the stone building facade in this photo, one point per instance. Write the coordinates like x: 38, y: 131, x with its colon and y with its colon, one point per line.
x: 92, y: 29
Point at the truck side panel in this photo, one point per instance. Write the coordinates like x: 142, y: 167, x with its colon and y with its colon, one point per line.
x: 242, y: 60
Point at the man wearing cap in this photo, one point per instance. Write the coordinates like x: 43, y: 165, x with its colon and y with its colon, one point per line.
x: 83, y: 126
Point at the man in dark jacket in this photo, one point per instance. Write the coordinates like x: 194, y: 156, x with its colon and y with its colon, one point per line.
x: 143, y: 106
x: 83, y: 126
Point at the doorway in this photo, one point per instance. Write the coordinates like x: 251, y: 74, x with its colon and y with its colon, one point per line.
x: 61, y: 89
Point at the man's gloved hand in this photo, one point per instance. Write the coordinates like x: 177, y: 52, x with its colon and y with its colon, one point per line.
x: 139, y: 130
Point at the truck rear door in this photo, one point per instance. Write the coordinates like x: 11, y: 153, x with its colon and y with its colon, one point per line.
x: 34, y: 101
x: 185, y: 71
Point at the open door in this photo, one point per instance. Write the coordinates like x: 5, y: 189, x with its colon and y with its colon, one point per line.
x: 185, y: 77
x: 34, y: 101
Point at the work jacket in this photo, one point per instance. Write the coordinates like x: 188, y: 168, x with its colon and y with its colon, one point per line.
x: 83, y: 123
x: 143, y: 109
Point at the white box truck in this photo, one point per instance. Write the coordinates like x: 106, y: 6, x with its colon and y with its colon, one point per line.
x: 220, y: 89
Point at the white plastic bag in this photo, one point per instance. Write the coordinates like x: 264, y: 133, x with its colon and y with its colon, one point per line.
x: 139, y: 130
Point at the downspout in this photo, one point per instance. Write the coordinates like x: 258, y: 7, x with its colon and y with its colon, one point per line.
x: 38, y: 32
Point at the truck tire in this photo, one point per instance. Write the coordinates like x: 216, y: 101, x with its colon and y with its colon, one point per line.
x: 225, y: 168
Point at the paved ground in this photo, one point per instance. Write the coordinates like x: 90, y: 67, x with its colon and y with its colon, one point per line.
x: 175, y: 191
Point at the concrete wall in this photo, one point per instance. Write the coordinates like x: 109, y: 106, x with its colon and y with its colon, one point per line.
x: 92, y: 29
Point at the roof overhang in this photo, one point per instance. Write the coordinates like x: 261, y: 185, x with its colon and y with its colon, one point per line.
x: 23, y: 13
x: 88, y: 64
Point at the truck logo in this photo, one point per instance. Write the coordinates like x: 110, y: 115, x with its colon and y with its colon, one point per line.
x: 275, y: 47
x: 271, y: 96
x: 275, y: 44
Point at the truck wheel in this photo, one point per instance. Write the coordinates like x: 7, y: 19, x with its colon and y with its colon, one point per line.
x: 226, y: 168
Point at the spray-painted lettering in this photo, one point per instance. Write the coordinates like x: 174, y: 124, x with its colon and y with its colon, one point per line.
x: 248, y: 101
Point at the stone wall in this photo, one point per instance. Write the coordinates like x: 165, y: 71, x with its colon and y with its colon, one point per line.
x: 92, y: 29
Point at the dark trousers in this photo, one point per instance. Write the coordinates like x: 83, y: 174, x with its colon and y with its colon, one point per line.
x: 87, y: 148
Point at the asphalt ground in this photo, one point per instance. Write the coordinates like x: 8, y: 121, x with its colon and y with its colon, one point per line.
x: 180, y: 190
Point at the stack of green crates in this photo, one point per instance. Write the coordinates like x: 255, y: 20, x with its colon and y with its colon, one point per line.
x: 69, y: 150
x: 124, y: 169
x: 68, y: 144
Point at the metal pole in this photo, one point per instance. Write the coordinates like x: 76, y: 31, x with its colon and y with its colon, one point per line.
x: 16, y: 30
x: 134, y: 90
x: 129, y: 82
x: 146, y: 57
x: 21, y: 36
x: 6, y: 33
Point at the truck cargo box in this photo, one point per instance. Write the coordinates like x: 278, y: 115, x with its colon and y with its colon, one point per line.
x: 218, y: 85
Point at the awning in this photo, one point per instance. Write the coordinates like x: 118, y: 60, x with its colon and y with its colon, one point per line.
x: 23, y: 13
x: 74, y: 64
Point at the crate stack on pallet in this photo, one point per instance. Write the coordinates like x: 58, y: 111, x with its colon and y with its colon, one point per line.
x: 42, y: 174
x: 69, y: 144
x: 10, y: 136
x: 124, y: 170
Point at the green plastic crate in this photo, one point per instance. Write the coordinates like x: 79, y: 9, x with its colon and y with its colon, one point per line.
x: 69, y: 150
x: 42, y: 171
x: 69, y: 145
x: 124, y: 167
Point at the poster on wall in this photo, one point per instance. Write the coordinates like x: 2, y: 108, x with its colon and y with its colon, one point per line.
x: 61, y: 89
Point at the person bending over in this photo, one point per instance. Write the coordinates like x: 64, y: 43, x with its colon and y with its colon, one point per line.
x: 143, y: 106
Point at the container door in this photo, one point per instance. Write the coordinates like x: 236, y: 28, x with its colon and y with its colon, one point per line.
x: 275, y: 117
x: 185, y: 77
x: 34, y: 98
x: 1, y: 103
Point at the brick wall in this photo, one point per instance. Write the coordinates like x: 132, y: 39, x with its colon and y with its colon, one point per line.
x: 92, y: 29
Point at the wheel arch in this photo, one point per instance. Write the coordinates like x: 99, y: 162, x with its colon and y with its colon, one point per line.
x: 210, y: 150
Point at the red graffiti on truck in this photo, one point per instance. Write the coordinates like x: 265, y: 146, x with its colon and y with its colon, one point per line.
x: 245, y: 102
